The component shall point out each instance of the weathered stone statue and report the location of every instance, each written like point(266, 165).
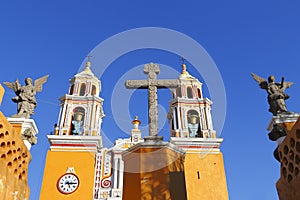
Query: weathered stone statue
point(26, 95)
point(276, 93)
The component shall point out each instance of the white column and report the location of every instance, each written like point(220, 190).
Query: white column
point(203, 118)
point(210, 119)
point(207, 118)
point(184, 119)
point(59, 117)
point(87, 119)
point(121, 172)
point(96, 118)
point(174, 120)
point(67, 118)
point(179, 121)
point(115, 168)
point(62, 117)
point(93, 113)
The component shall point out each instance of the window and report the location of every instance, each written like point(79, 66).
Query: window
point(189, 92)
point(199, 93)
point(77, 121)
point(178, 92)
point(93, 90)
point(193, 124)
point(72, 89)
point(82, 89)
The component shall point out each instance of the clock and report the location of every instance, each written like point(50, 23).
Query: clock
point(67, 183)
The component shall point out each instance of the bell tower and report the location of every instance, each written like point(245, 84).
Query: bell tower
point(192, 131)
point(190, 113)
point(81, 109)
point(70, 162)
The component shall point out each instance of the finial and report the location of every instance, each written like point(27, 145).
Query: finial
point(183, 59)
point(136, 122)
point(88, 63)
point(184, 72)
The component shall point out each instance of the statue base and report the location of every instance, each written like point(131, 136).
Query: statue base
point(26, 128)
point(285, 120)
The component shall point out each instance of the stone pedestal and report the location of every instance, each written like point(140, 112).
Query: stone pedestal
point(285, 120)
point(26, 128)
point(154, 138)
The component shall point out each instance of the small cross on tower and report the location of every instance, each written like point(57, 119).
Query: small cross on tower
point(152, 84)
point(89, 57)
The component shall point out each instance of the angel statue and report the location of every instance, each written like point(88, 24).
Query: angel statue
point(276, 93)
point(26, 95)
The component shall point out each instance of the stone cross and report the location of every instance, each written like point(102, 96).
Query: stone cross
point(152, 84)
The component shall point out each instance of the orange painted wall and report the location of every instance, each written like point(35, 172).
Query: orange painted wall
point(14, 160)
point(57, 164)
point(289, 153)
point(148, 172)
point(1, 93)
point(211, 183)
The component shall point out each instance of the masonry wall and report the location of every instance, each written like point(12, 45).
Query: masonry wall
point(14, 160)
point(205, 176)
point(289, 153)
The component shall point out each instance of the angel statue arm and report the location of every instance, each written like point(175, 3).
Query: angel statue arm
point(26, 95)
point(276, 93)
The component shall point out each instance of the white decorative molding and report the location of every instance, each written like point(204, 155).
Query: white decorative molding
point(198, 145)
point(28, 130)
point(283, 118)
point(75, 143)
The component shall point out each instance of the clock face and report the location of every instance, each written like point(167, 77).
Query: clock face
point(67, 183)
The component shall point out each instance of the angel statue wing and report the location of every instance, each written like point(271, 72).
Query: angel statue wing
point(261, 81)
point(287, 84)
point(13, 85)
point(38, 83)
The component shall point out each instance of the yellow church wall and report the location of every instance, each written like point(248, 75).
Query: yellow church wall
point(57, 164)
point(210, 184)
point(1, 93)
point(150, 174)
point(17, 128)
point(14, 160)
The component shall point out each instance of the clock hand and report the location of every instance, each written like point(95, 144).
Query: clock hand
point(70, 183)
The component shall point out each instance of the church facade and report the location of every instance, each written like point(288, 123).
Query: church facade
point(189, 166)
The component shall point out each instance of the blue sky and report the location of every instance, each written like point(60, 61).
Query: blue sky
point(53, 37)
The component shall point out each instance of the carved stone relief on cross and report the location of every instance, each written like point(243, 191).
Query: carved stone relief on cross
point(152, 84)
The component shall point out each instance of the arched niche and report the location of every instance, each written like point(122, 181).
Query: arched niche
point(77, 121)
point(193, 124)
point(189, 92)
point(94, 90)
point(82, 89)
